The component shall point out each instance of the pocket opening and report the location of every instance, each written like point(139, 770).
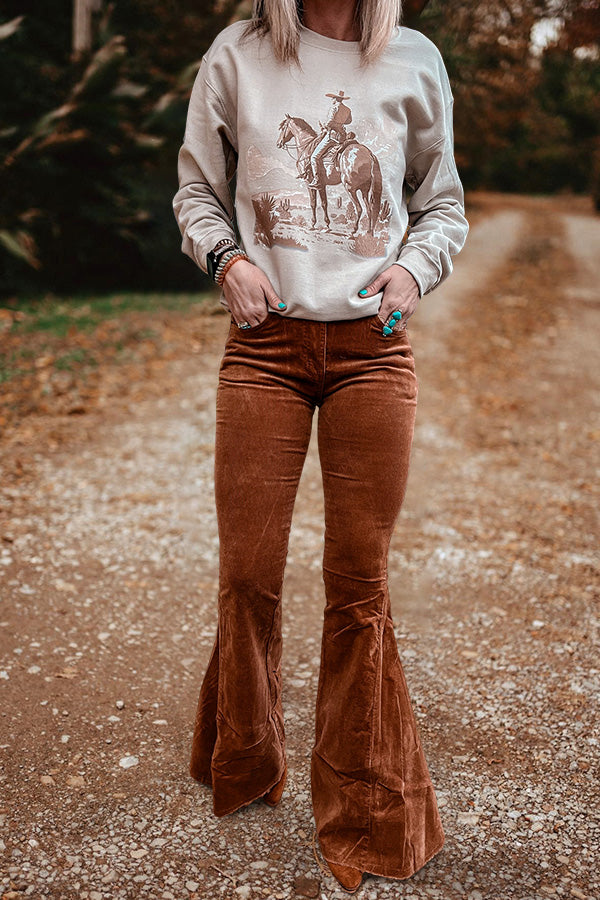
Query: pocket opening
point(253, 328)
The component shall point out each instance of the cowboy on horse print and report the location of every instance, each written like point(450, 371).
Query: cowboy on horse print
point(333, 133)
point(341, 172)
point(333, 157)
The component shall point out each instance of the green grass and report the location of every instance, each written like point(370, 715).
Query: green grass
point(8, 372)
point(56, 315)
point(74, 360)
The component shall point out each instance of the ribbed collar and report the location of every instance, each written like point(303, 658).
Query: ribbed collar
point(315, 39)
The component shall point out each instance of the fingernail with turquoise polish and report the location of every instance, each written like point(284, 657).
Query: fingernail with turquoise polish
point(281, 305)
point(363, 292)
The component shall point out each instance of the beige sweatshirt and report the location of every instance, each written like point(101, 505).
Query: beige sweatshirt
point(362, 134)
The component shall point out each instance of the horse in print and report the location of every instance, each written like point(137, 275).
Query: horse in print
point(351, 164)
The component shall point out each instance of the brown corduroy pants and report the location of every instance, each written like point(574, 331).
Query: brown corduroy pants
point(373, 800)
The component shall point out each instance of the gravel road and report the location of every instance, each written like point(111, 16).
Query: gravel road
point(108, 584)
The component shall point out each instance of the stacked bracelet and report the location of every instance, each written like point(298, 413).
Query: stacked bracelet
point(224, 244)
point(227, 261)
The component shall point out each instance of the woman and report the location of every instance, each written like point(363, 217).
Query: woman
point(325, 110)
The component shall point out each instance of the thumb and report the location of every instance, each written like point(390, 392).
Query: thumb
point(375, 286)
point(273, 300)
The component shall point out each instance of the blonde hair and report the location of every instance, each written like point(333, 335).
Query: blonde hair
point(376, 20)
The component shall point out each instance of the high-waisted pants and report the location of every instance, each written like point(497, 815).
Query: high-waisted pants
point(373, 800)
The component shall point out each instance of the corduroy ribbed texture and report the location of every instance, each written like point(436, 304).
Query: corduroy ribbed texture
point(373, 798)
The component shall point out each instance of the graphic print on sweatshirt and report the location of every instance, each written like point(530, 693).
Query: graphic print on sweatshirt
point(322, 183)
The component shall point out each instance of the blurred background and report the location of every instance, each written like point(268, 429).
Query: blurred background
point(110, 346)
point(95, 112)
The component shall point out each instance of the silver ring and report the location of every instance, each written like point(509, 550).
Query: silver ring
point(243, 324)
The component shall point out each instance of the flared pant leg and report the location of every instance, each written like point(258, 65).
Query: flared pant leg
point(262, 436)
point(373, 799)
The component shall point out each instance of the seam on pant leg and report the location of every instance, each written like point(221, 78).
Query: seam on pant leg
point(376, 693)
point(323, 366)
point(270, 680)
point(377, 698)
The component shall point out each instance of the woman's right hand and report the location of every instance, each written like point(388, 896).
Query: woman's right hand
point(249, 292)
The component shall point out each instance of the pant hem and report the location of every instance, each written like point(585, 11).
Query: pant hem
point(203, 779)
point(229, 811)
point(399, 874)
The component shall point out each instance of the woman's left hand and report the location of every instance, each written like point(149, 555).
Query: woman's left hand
point(400, 291)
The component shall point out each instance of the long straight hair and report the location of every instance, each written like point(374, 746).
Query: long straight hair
point(376, 20)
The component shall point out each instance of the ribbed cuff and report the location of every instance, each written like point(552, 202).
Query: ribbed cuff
point(203, 246)
point(419, 265)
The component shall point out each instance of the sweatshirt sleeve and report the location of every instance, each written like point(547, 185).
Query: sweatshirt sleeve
point(206, 163)
point(436, 214)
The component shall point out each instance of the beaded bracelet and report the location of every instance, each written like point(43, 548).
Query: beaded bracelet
point(222, 257)
point(235, 256)
point(225, 257)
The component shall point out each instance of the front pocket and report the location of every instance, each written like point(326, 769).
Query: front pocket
point(268, 318)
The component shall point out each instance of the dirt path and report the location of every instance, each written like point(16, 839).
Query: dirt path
point(109, 577)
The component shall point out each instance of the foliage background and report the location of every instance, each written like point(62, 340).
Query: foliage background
point(89, 146)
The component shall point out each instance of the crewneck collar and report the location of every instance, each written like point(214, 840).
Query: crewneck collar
point(316, 39)
point(327, 43)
